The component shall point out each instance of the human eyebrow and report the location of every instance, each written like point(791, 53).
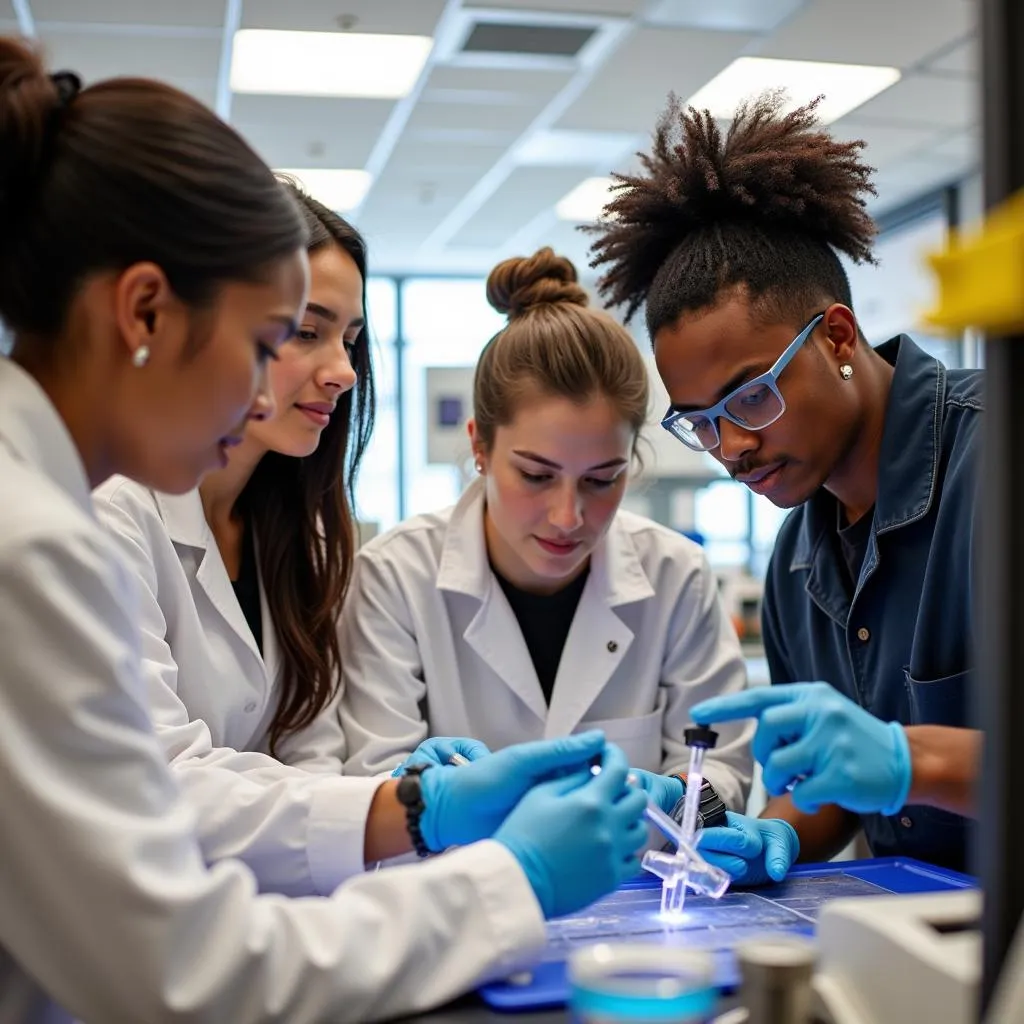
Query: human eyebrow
point(748, 373)
point(534, 457)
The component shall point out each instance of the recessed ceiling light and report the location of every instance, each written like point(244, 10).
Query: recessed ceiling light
point(327, 63)
point(586, 201)
point(844, 86)
point(339, 190)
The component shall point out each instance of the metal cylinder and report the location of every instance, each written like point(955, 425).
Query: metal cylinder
point(776, 979)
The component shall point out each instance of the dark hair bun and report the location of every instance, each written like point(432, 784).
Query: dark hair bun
point(519, 284)
point(29, 98)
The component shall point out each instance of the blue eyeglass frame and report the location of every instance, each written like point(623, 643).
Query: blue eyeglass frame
point(769, 379)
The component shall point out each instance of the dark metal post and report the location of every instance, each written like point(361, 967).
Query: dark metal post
point(400, 390)
point(999, 687)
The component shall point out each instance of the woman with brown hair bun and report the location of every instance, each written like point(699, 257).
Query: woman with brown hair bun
point(536, 607)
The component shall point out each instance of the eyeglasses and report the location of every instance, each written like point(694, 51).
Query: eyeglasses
point(753, 406)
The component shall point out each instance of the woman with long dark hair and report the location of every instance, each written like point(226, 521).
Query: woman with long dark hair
point(243, 580)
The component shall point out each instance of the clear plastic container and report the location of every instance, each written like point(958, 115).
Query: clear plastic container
point(641, 983)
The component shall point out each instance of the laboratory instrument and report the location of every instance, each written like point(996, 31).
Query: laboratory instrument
point(641, 983)
point(900, 958)
point(776, 972)
point(458, 759)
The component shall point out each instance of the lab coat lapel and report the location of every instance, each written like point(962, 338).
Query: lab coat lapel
point(187, 527)
point(493, 632)
point(598, 639)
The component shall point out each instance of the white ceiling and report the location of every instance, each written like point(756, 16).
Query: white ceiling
point(450, 193)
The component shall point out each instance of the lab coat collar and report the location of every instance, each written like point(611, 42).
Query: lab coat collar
point(32, 428)
point(186, 525)
point(184, 518)
point(617, 575)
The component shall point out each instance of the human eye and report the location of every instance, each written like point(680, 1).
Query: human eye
point(266, 352)
point(306, 334)
point(601, 485)
point(755, 395)
point(534, 478)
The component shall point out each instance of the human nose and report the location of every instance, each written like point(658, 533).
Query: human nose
point(734, 442)
point(262, 407)
point(566, 513)
point(336, 372)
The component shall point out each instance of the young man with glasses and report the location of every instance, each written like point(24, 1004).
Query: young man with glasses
point(732, 242)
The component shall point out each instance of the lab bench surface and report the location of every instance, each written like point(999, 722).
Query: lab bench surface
point(631, 915)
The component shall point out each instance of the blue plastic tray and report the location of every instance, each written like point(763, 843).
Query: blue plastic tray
point(791, 907)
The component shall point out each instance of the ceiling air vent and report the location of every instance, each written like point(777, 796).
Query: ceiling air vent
point(535, 40)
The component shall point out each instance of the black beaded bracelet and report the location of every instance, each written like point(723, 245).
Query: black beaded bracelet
point(410, 795)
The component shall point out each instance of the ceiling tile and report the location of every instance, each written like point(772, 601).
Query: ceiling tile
point(885, 144)
point(630, 92)
point(524, 193)
point(871, 31)
point(201, 13)
point(300, 131)
point(924, 100)
point(727, 15)
point(960, 60)
point(606, 8)
point(409, 17)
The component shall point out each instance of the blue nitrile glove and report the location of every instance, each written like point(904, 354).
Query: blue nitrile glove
point(577, 837)
point(755, 851)
point(469, 803)
point(438, 749)
point(830, 750)
point(665, 790)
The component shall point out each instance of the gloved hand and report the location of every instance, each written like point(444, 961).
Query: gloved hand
point(755, 851)
point(470, 802)
point(828, 749)
point(438, 749)
point(666, 791)
point(577, 837)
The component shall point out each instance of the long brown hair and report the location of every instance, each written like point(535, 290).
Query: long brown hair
point(301, 512)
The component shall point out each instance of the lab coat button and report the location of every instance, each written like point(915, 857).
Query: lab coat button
point(612, 646)
point(906, 821)
point(250, 707)
point(863, 634)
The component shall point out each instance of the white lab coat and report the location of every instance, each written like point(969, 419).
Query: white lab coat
point(431, 645)
point(212, 696)
point(107, 912)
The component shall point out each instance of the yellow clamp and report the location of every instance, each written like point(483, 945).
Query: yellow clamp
point(981, 275)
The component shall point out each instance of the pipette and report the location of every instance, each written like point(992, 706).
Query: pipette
point(699, 739)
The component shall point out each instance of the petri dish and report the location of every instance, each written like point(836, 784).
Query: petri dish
point(641, 983)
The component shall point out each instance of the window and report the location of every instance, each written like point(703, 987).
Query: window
point(446, 322)
point(377, 486)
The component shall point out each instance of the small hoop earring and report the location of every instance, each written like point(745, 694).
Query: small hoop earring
point(846, 371)
point(140, 357)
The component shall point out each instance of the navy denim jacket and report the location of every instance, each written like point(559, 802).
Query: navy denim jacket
point(901, 647)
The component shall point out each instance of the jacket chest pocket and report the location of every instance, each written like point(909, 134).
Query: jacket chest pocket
point(938, 701)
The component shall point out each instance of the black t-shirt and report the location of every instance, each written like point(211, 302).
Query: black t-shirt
point(853, 544)
point(545, 620)
point(247, 587)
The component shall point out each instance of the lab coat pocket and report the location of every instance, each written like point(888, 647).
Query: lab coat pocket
point(938, 701)
point(639, 737)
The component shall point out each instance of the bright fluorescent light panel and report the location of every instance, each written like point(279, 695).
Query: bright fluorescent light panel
point(338, 190)
point(844, 86)
point(327, 63)
point(586, 201)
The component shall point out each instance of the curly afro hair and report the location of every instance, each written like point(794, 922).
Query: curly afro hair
point(766, 205)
